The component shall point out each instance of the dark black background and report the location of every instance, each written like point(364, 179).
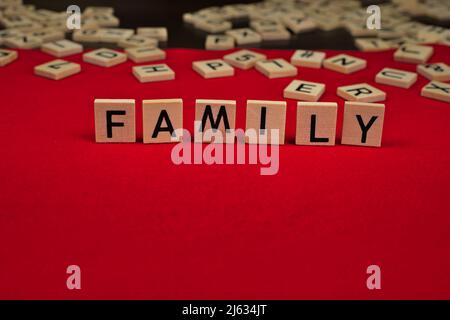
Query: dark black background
point(168, 13)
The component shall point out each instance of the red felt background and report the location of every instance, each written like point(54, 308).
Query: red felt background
point(141, 227)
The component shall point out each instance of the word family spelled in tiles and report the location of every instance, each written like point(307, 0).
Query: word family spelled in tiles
point(219, 42)
point(158, 33)
point(153, 73)
point(344, 63)
point(437, 90)
point(161, 120)
point(435, 71)
point(265, 121)
point(316, 123)
point(137, 41)
point(57, 69)
point(244, 59)
point(276, 68)
point(215, 114)
point(363, 124)
point(361, 92)
point(304, 90)
point(62, 48)
point(411, 53)
point(115, 120)
point(213, 68)
point(7, 56)
point(244, 36)
point(396, 77)
point(306, 58)
point(105, 57)
point(145, 54)
point(263, 117)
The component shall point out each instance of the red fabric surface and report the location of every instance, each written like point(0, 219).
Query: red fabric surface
point(141, 227)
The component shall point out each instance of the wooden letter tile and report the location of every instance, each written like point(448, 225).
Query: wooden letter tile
point(262, 116)
point(437, 90)
point(85, 35)
point(113, 35)
point(7, 33)
point(89, 11)
point(328, 23)
point(102, 20)
point(245, 36)
point(435, 71)
point(213, 68)
point(7, 56)
point(23, 42)
point(411, 53)
point(307, 58)
point(445, 39)
point(215, 114)
point(316, 123)
point(115, 120)
point(212, 25)
point(145, 54)
point(396, 77)
point(360, 30)
point(361, 92)
point(135, 41)
point(304, 90)
point(244, 59)
point(363, 124)
point(219, 42)
point(372, 45)
point(263, 25)
point(344, 63)
point(276, 68)
point(57, 69)
point(276, 33)
point(105, 57)
point(153, 73)
point(47, 35)
point(160, 120)
point(158, 33)
point(62, 48)
point(299, 24)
